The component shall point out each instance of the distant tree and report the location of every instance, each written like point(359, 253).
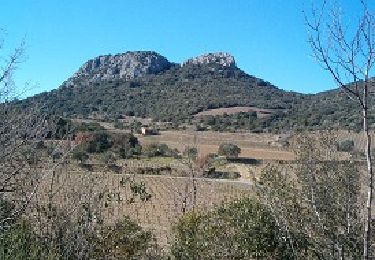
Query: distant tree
point(89, 127)
point(80, 155)
point(107, 157)
point(127, 146)
point(155, 149)
point(229, 150)
point(345, 146)
point(191, 152)
point(101, 143)
point(348, 54)
point(62, 127)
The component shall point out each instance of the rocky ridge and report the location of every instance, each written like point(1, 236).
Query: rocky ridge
point(222, 58)
point(133, 64)
point(126, 65)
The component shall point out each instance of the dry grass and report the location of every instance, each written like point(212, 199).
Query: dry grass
point(111, 195)
point(257, 146)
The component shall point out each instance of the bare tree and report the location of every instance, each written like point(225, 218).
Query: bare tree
point(325, 195)
point(8, 64)
point(23, 128)
point(348, 55)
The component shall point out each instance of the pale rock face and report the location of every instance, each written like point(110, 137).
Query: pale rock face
point(222, 58)
point(127, 65)
point(133, 64)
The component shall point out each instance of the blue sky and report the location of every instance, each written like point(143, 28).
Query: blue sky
point(266, 37)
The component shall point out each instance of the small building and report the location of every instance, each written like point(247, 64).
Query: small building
point(148, 131)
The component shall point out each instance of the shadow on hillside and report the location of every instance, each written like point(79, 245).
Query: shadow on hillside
point(244, 160)
point(222, 175)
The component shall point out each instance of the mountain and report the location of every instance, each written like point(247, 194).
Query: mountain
point(145, 84)
point(127, 65)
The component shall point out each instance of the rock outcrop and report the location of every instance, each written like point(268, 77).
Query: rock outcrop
point(128, 65)
point(222, 58)
point(133, 64)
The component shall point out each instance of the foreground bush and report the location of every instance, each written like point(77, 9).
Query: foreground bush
point(19, 242)
point(125, 240)
point(242, 230)
point(80, 239)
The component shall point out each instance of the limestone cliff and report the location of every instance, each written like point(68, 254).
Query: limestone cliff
point(222, 58)
point(126, 65)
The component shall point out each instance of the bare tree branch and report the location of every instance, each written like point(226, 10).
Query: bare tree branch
point(353, 56)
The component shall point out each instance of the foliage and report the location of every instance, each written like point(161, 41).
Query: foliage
point(229, 150)
point(155, 149)
point(80, 154)
point(88, 127)
point(82, 239)
point(240, 230)
point(107, 157)
point(191, 152)
point(124, 240)
point(126, 145)
point(325, 195)
point(345, 146)
point(100, 143)
point(19, 242)
point(60, 128)
point(109, 146)
point(139, 190)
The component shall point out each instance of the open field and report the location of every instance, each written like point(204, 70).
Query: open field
point(234, 110)
point(110, 197)
point(257, 146)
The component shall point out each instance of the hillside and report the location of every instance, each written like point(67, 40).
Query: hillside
point(146, 85)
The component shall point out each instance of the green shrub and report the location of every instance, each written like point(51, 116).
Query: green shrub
point(119, 125)
point(229, 150)
point(19, 242)
point(154, 150)
point(60, 128)
point(241, 230)
point(125, 240)
point(126, 146)
point(80, 154)
point(89, 127)
point(100, 143)
point(345, 146)
point(107, 157)
point(191, 152)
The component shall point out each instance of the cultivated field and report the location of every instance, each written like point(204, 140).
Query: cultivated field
point(109, 196)
point(111, 199)
point(256, 146)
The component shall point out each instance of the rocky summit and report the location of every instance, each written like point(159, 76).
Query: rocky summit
point(126, 65)
point(222, 58)
point(135, 64)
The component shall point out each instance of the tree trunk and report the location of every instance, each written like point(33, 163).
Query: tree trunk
point(367, 235)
